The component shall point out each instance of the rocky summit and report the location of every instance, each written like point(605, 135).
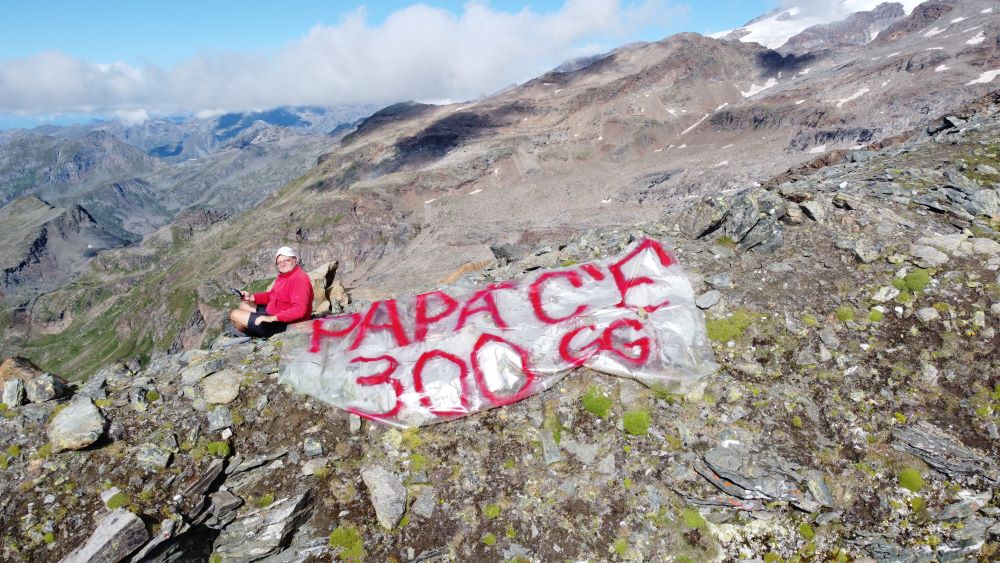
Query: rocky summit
point(848, 272)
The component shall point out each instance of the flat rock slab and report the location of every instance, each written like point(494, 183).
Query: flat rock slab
point(264, 531)
point(77, 426)
point(118, 535)
point(387, 493)
point(13, 393)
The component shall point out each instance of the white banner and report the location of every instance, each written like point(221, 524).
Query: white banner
point(439, 356)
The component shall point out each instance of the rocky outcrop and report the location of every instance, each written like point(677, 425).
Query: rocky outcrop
point(857, 29)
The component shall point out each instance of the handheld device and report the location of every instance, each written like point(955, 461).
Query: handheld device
point(236, 292)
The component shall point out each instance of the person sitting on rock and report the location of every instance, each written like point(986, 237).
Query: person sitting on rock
point(288, 301)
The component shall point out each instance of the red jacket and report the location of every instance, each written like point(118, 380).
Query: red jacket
point(291, 298)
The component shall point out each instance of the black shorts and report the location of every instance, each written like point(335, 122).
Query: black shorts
point(265, 329)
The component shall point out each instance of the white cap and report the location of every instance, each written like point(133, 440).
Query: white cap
point(285, 251)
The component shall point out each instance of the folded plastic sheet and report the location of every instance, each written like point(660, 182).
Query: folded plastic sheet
point(439, 356)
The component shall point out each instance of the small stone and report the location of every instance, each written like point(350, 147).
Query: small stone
point(550, 449)
point(76, 426)
point(866, 251)
point(108, 494)
point(116, 537)
point(219, 418)
point(151, 456)
point(885, 294)
point(387, 495)
point(979, 319)
point(354, 423)
point(806, 357)
point(928, 314)
point(312, 447)
point(45, 387)
point(708, 299)
point(227, 433)
point(995, 309)
point(928, 373)
point(814, 210)
point(261, 403)
point(425, 503)
point(986, 169)
point(928, 256)
point(720, 281)
point(13, 393)
point(829, 337)
point(607, 465)
point(586, 453)
point(311, 466)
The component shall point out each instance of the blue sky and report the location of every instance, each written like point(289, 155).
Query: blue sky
point(134, 59)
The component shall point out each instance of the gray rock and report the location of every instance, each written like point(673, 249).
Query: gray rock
point(970, 502)
point(927, 256)
point(221, 510)
point(219, 418)
point(152, 457)
point(986, 169)
point(928, 314)
point(995, 309)
point(751, 208)
point(311, 466)
point(94, 387)
point(943, 451)
point(425, 503)
point(195, 373)
point(264, 531)
point(806, 357)
point(387, 495)
point(550, 449)
point(985, 246)
point(117, 535)
point(13, 393)
point(944, 243)
point(77, 426)
point(814, 210)
point(221, 387)
point(766, 236)
point(720, 281)
point(829, 337)
point(885, 294)
point(45, 387)
point(865, 250)
point(608, 465)
point(312, 447)
point(168, 528)
point(586, 453)
point(708, 299)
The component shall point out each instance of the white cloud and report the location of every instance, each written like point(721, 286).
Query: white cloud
point(418, 52)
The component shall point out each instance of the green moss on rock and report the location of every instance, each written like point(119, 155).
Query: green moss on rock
point(636, 423)
point(596, 402)
point(911, 479)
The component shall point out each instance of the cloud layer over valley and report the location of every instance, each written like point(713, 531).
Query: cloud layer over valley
point(419, 52)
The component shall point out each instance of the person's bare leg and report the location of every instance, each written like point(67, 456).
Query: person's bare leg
point(240, 318)
point(247, 306)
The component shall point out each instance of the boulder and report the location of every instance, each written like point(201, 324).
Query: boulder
point(76, 426)
point(18, 368)
point(221, 387)
point(322, 279)
point(119, 534)
point(45, 387)
point(13, 393)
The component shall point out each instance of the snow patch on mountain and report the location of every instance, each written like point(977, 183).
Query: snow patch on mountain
point(781, 25)
point(853, 96)
point(985, 78)
point(754, 89)
point(935, 31)
point(979, 38)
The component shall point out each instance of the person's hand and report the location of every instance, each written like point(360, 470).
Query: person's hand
point(246, 296)
point(267, 319)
